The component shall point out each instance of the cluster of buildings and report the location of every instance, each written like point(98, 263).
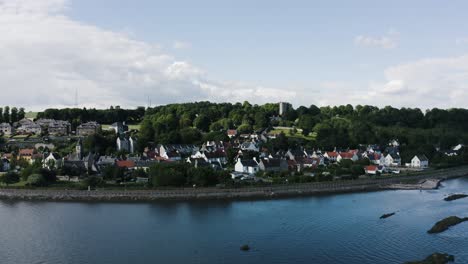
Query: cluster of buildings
point(51, 126)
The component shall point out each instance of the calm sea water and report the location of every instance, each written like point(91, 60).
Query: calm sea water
point(329, 229)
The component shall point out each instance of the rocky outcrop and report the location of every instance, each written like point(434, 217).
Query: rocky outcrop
point(444, 224)
point(436, 258)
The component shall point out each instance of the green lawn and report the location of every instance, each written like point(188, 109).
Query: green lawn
point(130, 127)
point(31, 115)
point(298, 134)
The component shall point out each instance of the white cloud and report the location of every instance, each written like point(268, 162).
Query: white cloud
point(426, 83)
point(388, 41)
point(181, 45)
point(46, 55)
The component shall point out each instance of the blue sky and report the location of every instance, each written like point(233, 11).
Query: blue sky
point(404, 53)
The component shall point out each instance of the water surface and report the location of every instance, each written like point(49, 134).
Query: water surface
point(328, 229)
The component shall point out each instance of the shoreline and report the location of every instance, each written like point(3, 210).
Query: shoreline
point(425, 182)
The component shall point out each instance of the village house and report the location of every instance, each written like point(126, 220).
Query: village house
point(29, 128)
point(347, 156)
point(52, 161)
point(375, 158)
point(332, 156)
point(373, 169)
point(420, 161)
point(59, 128)
point(273, 165)
point(232, 133)
point(312, 163)
point(26, 154)
point(198, 162)
point(4, 164)
point(182, 149)
point(87, 129)
point(249, 146)
point(118, 127)
point(392, 159)
point(126, 144)
point(246, 166)
point(6, 129)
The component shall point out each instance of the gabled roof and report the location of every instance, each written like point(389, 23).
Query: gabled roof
point(232, 132)
point(346, 155)
point(26, 152)
point(249, 163)
point(422, 157)
point(271, 163)
point(371, 168)
point(55, 155)
point(125, 164)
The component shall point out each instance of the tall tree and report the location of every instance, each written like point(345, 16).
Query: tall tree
point(1, 115)
point(14, 114)
point(21, 113)
point(6, 114)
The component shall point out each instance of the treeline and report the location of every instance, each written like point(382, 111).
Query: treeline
point(339, 126)
point(11, 115)
point(77, 116)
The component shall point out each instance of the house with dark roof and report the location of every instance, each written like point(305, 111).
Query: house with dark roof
point(89, 128)
point(126, 143)
point(6, 129)
point(273, 165)
point(420, 161)
point(393, 159)
point(4, 164)
point(198, 162)
point(246, 166)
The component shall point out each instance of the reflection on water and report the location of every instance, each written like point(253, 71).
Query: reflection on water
point(327, 229)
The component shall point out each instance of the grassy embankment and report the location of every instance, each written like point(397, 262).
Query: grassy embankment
point(288, 132)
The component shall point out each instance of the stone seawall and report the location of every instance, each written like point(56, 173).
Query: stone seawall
point(430, 181)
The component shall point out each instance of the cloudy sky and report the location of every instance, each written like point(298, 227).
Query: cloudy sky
point(122, 52)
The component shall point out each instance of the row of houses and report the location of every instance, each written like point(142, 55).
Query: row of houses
point(53, 127)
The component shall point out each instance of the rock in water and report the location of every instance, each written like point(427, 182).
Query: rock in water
point(455, 197)
point(444, 224)
point(387, 215)
point(245, 248)
point(436, 258)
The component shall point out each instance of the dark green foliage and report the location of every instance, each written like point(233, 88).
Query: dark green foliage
point(10, 178)
point(357, 170)
point(178, 175)
point(102, 143)
point(112, 173)
point(107, 116)
point(36, 180)
point(93, 182)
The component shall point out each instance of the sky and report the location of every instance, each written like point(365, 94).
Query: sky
point(98, 53)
